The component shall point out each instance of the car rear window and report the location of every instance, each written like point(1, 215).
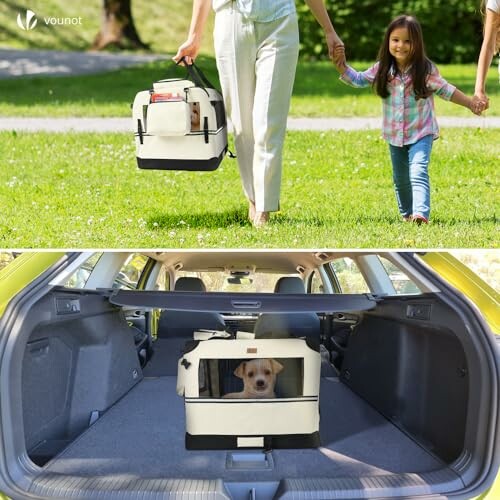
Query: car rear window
point(238, 282)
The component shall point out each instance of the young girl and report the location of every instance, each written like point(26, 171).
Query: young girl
point(406, 80)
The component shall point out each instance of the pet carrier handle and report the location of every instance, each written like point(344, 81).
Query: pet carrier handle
point(196, 75)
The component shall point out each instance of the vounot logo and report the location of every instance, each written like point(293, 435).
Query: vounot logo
point(30, 20)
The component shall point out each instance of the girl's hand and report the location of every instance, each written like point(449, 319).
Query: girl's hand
point(339, 58)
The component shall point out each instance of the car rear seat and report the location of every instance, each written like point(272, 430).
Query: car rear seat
point(175, 328)
point(283, 325)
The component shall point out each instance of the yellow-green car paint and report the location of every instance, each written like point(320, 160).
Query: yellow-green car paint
point(22, 271)
point(463, 279)
point(493, 493)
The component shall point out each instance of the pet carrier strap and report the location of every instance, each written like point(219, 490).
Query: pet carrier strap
point(197, 76)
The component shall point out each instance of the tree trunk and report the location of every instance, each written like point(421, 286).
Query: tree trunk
point(117, 27)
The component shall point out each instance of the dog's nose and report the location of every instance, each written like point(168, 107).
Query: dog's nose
point(260, 383)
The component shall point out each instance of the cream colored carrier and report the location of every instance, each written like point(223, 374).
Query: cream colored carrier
point(180, 124)
point(215, 421)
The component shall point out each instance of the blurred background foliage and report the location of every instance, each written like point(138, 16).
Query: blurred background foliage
point(452, 29)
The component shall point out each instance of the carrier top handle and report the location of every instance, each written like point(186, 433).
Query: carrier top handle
point(196, 75)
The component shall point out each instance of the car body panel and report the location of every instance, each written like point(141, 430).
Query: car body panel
point(466, 281)
point(22, 271)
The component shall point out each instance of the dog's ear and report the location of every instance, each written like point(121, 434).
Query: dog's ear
point(277, 367)
point(240, 370)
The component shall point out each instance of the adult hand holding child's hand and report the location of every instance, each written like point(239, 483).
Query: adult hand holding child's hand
point(479, 104)
point(339, 58)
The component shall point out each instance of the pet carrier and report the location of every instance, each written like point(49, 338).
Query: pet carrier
point(180, 124)
point(276, 404)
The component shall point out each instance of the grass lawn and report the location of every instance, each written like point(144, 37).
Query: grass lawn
point(317, 92)
point(84, 190)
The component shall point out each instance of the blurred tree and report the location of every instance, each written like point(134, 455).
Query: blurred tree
point(117, 27)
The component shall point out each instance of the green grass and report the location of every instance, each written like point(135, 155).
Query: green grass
point(317, 92)
point(84, 190)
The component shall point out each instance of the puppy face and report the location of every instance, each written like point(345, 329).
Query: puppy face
point(195, 115)
point(259, 377)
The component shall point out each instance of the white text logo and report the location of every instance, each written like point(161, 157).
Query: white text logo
point(31, 21)
point(63, 20)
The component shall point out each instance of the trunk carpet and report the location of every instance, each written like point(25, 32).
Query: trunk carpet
point(143, 435)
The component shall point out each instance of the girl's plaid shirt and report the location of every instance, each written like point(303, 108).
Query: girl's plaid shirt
point(405, 119)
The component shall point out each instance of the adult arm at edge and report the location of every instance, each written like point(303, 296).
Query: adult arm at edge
point(321, 15)
point(190, 48)
point(491, 27)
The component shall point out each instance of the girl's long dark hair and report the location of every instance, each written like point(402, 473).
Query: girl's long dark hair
point(421, 66)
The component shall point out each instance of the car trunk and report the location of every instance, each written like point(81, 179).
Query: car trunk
point(399, 417)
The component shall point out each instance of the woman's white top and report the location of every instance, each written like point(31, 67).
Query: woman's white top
point(258, 10)
point(493, 5)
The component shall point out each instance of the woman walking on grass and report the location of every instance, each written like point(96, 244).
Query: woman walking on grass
point(490, 46)
point(406, 80)
point(256, 47)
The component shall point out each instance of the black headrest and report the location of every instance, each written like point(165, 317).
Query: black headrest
point(289, 284)
point(189, 284)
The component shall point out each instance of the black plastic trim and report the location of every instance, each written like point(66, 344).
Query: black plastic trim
point(313, 343)
point(191, 345)
point(286, 441)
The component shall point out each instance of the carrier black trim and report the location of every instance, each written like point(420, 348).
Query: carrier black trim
point(204, 400)
point(208, 164)
point(286, 441)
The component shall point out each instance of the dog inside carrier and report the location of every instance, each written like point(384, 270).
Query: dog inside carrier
point(180, 124)
point(251, 393)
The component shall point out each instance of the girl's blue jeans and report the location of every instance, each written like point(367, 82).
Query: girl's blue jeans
point(410, 170)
